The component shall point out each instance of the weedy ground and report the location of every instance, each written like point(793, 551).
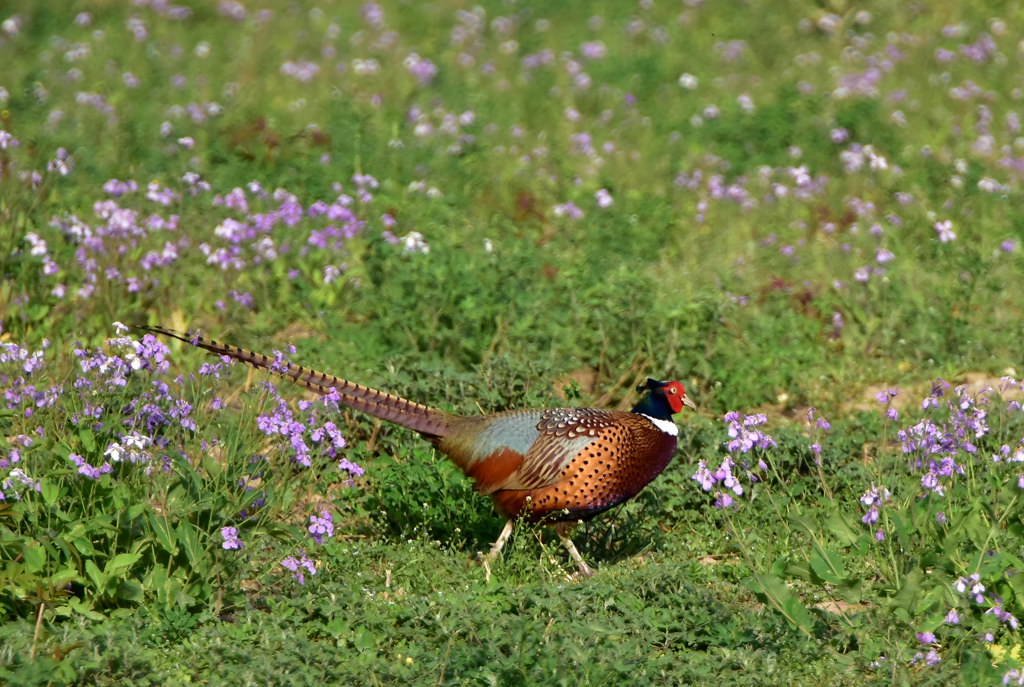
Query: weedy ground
point(810, 217)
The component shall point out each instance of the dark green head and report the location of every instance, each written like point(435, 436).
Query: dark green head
point(663, 399)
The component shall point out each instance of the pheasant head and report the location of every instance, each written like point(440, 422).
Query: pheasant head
point(663, 399)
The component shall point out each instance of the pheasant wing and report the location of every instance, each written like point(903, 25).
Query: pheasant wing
point(563, 433)
point(524, 449)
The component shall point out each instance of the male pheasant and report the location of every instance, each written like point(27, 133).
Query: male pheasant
point(559, 466)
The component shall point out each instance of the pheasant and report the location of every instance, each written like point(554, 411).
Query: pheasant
point(557, 466)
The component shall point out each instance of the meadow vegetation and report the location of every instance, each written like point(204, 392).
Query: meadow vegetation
point(809, 216)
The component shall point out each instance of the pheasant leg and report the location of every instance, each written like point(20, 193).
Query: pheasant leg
point(563, 529)
point(496, 549)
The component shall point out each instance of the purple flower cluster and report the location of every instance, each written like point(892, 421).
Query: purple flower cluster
point(129, 244)
point(297, 564)
point(972, 587)
point(818, 427)
point(874, 498)
point(19, 368)
point(744, 434)
point(102, 376)
point(744, 438)
point(978, 596)
point(301, 432)
point(231, 539)
point(931, 658)
point(886, 397)
point(88, 470)
point(938, 446)
point(15, 483)
point(321, 526)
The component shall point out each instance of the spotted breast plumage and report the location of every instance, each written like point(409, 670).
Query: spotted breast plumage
point(558, 465)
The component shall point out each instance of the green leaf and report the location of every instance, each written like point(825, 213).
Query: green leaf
point(62, 578)
point(50, 491)
point(805, 524)
point(364, 640)
point(84, 608)
point(851, 590)
point(87, 438)
point(777, 594)
point(120, 564)
point(1016, 583)
point(212, 465)
point(977, 527)
point(99, 580)
point(83, 546)
point(827, 565)
point(908, 595)
point(798, 569)
point(840, 524)
point(34, 556)
point(188, 537)
point(130, 590)
point(163, 533)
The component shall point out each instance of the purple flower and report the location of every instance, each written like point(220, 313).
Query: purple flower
point(350, 467)
point(422, 69)
point(297, 565)
point(570, 210)
point(971, 586)
point(931, 658)
point(704, 476)
point(744, 434)
point(593, 50)
point(321, 526)
point(231, 538)
point(926, 637)
point(7, 140)
point(945, 231)
point(873, 498)
point(302, 71)
point(952, 618)
point(1014, 677)
point(1003, 615)
point(722, 500)
point(87, 470)
point(886, 395)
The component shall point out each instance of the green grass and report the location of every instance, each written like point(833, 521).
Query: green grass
point(745, 253)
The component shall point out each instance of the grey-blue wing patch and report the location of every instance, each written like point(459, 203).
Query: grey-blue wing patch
point(563, 434)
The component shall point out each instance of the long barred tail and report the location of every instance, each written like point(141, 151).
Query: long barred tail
point(416, 416)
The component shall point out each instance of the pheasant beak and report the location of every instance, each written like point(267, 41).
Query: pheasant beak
point(688, 402)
